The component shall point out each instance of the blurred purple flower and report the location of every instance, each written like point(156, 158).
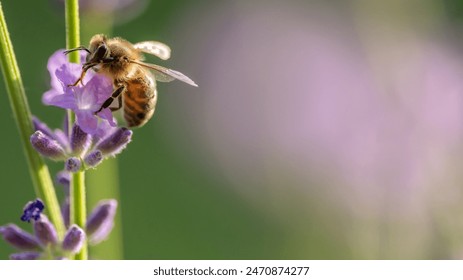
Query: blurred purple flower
point(121, 10)
point(101, 221)
point(85, 99)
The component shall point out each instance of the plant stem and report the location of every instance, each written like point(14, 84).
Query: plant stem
point(78, 208)
point(78, 198)
point(40, 175)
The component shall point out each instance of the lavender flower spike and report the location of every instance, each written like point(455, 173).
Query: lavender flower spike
point(74, 239)
point(101, 221)
point(25, 256)
point(32, 210)
point(47, 146)
point(116, 142)
point(18, 237)
point(45, 231)
point(80, 140)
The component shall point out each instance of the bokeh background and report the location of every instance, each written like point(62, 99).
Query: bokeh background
point(320, 129)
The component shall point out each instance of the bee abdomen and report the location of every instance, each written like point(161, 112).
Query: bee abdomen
point(138, 109)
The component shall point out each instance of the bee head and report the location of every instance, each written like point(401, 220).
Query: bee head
point(99, 50)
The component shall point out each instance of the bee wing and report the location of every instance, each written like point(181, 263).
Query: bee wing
point(155, 48)
point(163, 74)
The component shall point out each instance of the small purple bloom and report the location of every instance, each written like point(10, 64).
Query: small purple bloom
point(74, 239)
point(18, 238)
point(32, 210)
point(85, 99)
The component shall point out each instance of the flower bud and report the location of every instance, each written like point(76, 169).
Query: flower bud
point(74, 239)
point(18, 237)
point(116, 142)
point(101, 221)
point(45, 231)
point(47, 146)
point(93, 158)
point(72, 164)
point(80, 140)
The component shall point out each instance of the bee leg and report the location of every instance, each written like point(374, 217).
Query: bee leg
point(82, 75)
point(119, 105)
point(116, 94)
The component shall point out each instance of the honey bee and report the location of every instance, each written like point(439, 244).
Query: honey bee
point(134, 81)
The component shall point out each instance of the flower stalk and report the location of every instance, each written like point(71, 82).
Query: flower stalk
point(40, 175)
point(78, 202)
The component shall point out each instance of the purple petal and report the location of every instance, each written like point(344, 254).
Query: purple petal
point(104, 129)
point(107, 115)
point(69, 73)
point(101, 87)
point(87, 121)
point(56, 60)
point(65, 101)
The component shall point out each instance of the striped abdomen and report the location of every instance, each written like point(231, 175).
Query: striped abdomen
point(139, 98)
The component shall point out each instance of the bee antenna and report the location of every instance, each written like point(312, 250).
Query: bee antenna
point(81, 48)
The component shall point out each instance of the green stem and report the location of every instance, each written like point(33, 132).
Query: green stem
point(72, 29)
point(78, 199)
point(40, 175)
point(78, 208)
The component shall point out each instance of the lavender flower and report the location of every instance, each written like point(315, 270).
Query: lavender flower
point(80, 150)
point(83, 100)
point(45, 243)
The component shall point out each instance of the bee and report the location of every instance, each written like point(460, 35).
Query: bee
point(134, 81)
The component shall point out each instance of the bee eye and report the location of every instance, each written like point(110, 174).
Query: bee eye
point(101, 52)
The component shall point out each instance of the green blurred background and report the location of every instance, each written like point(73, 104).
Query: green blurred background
point(320, 129)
